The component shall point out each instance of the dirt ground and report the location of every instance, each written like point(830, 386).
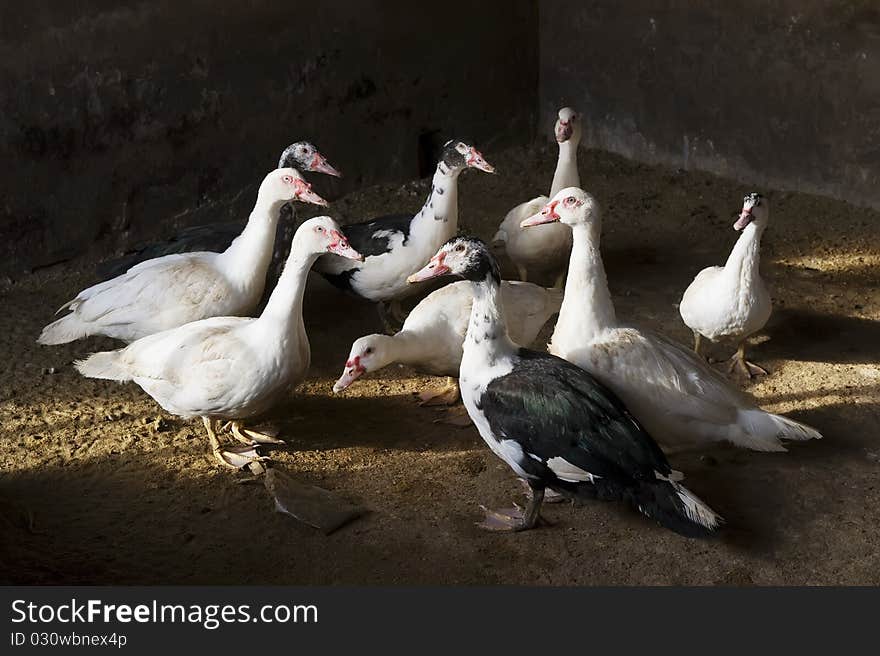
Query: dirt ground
point(98, 485)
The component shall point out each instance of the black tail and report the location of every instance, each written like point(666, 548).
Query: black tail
point(676, 508)
point(672, 505)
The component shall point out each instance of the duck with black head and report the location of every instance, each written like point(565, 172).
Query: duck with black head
point(397, 245)
point(554, 424)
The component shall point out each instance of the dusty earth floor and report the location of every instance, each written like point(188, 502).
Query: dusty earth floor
point(98, 485)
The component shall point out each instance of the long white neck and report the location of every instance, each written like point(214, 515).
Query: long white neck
point(405, 347)
point(487, 340)
point(283, 312)
point(743, 264)
point(438, 218)
point(247, 259)
point(566, 174)
point(587, 309)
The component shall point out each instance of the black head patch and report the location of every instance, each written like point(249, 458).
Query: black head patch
point(452, 155)
point(478, 262)
point(754, 197)
point(297, 156)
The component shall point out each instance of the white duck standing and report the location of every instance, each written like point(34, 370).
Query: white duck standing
point(230, 368)
point(732, 302)
point(545, 248)
point(674, 393)
point(396, 245)
point(432, 335)
point(173, 290)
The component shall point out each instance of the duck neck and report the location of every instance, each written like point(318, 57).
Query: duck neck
point(283, 311)
point(248, 256)
point(404, 347)
point(439, 215)
point(743, 264)
point(566, 174)
point(487, 340)
point(587, 308)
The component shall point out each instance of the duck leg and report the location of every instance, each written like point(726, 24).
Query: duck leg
point(446, 395)
point(560, 280)
point(232, 458)
point(550, 496)
point(523, 274)
point(698, 342)
point(738, 361)
point(252, 437)
point(515, 519)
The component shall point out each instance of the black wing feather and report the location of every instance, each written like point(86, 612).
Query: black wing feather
point(362, 236)
point(554, 408)
point(213, 237)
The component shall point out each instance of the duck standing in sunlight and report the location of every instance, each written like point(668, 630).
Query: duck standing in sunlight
point(230, 368)
point(432, 335)
point(732, 302)
point(674, 393)
point(554, 424)
point(545, 248)
point(303, 156)
point(174, 290)
point(396, 245)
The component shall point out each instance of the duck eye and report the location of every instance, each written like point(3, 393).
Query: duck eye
point(288, 179)
point(320, 228)
point(368, 350)
point(570, 200)
point(460, 248)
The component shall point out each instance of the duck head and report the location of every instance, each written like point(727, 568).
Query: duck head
point(304, 155)
point(755, 210)
point(283, 185)
point(571, 206)
point(323, 235)
point(459, 155)
point(465, 257)
point(568, 126)
point(368, 353)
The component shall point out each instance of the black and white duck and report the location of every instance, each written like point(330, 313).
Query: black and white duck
point(395, 246)
point(554, 424)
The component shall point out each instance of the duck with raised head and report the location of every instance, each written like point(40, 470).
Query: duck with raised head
point(432, 335)
point(545, 249)
point(230, 368)
point(555, 425)
point(395, 246)
point(676, 395)
point(731, 301)
point(303, 156)
point(177, 289)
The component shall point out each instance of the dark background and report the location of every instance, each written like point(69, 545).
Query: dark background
point(118, 116)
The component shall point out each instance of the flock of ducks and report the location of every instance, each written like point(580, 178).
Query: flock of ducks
point(585, 420)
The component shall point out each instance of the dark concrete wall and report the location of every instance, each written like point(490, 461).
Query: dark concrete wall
point(782, 93)
point(117, 115)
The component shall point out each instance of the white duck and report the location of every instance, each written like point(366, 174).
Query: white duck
point(432, 335)
point(674, 393)
point(173, 290)
point(397, 245)
point(545, 248)
point(732, 301)
point(230, 368)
